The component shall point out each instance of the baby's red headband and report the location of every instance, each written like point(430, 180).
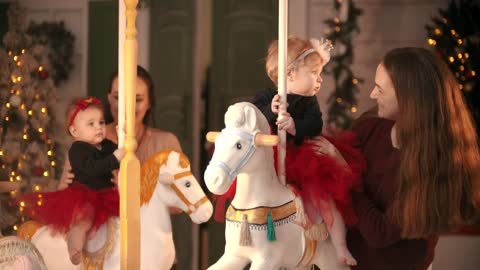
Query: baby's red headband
point(81, 105)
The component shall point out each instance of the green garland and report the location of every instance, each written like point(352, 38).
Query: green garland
point(455, 36)
point(342, 102)
point(55, 36)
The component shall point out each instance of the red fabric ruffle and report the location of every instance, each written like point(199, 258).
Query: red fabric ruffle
point(60, 209)
point(321, 179)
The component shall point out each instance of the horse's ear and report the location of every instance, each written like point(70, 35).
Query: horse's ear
point(250, 118)
point(166, 178)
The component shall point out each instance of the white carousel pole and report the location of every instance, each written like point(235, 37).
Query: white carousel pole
point(282, 81)
point(121, 73)
point(130, 165)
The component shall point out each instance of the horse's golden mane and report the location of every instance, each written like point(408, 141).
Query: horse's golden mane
point(149, 173)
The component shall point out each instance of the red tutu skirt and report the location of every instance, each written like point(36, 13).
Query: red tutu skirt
point(60, 209)
point(318, 178)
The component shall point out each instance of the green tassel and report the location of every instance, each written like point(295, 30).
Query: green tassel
point(270, 228)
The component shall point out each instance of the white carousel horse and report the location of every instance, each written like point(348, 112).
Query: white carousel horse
point(261, 222)
point(166, 181)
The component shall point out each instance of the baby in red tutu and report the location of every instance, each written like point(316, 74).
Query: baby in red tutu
point(322, 181)
point(92, 198)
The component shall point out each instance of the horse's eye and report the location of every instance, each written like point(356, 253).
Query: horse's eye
point(188, 184)
point(239, 146)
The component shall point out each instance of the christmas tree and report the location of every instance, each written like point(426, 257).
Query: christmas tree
point(27, 101)
point(455, 36)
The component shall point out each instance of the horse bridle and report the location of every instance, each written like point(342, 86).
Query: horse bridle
point(232, 172)
point(191, 207)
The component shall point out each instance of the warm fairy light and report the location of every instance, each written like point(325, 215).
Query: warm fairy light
point(22, 204)
point(15, 58)
point(40, 196)
point(355, 81)
point(18, 178)
point(473, 73)
point(451, 59)
point(339, 100)
point(8, 105)
point(437, 32)
point(460, 86)
point(15, 227)
point(50, 152)
point(39, 203)
point(11, 179)
point(467, 55)
point(19, 63)
point(336, 20)
point(18, 92)
point(462, 68)
point(25, 136)
point(453, 32)
point(52, 163)
point(44, 110)
point(30, 112)
point(1, 153)
point(37, 187)
point(460, 56)
point(19, 78)
point(14, 80)
point(432, 42)
point(444, 20)
point(12, 91)
point(459, 41)
point(37, 96)
point(23, 51)
point(40, 68)
point(7, 118)
point(40, 130)
point(354, 109)
point(22, 106)
point(49, 141)
point(9, 53)
point(45, 173)
point(337, 28)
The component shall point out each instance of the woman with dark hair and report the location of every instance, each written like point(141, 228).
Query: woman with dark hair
point(149, 140)
point(423, 163)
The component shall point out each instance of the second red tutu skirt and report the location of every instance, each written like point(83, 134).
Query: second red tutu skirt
point(61, 209)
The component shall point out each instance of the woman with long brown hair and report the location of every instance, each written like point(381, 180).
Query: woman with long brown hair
point(423, 163)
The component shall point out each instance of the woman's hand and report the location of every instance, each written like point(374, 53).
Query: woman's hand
point(115, 177)
point(325, 147)
point(67, 176)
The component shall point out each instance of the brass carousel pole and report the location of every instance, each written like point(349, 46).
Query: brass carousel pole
point(130, 166)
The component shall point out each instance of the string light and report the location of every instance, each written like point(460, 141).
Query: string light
point(45, 173)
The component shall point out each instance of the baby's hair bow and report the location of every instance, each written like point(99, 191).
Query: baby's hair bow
point(82, 104)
